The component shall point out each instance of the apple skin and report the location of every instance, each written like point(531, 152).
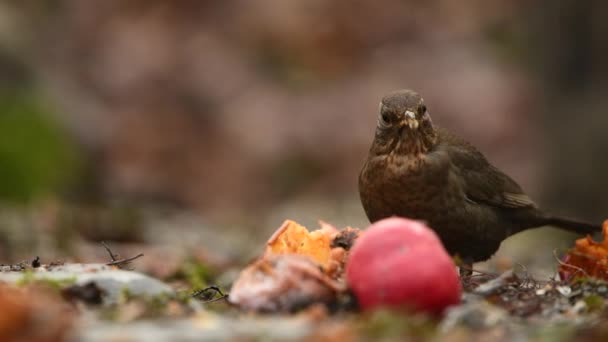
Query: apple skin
point(401, 263)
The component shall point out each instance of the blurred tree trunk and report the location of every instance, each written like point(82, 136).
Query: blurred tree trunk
point(569, 49)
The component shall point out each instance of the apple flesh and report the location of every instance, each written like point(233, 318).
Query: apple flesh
point(401, 263)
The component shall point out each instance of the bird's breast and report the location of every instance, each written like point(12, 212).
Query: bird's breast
point(415, 187)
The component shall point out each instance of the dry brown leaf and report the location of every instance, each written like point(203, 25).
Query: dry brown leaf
point(33, 313)
point(587, 258)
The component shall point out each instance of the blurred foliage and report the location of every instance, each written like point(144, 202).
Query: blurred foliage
point(110, 222)
point(293, 174)
point(36, 157)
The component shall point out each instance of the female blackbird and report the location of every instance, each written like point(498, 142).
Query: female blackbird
point(417, 170)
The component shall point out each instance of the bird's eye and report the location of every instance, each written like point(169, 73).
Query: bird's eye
point(421, 110)
point(385, 117)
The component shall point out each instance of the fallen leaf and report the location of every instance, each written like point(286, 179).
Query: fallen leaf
point(33, 313)
point(587, 258)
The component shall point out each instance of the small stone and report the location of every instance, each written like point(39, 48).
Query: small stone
point(579, 307)
point(565, 291)
point(495, 284)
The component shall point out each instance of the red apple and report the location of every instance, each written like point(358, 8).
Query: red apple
point(398, 262)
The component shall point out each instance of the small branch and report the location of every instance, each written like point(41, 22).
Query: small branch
point(223, 297)
point(209, 298)
point(118, 262)
point(112, 255)
point(122, 262)
point(578, 269)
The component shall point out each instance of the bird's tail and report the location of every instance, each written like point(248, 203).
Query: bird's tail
point(572, 225)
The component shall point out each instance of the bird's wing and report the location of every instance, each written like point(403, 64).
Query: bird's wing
point(482, 182)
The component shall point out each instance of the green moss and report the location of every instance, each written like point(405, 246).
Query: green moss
point(386, 325)
point(125, 295)
point(27, 278)
point(553, 333)
point(594, 303)
point(58, 284)
point(159, 300)
point(183, 296)
point(196, 274)
point(152, 306)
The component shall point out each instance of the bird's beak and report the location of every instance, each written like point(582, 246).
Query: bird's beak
point(409, 119)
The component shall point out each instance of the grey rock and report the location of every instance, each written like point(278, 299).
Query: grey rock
point(111, 280)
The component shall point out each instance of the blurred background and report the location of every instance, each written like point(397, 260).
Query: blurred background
point(194, 128)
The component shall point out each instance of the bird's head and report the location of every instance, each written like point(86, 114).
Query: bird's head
point(403, 110)
point(404, 124)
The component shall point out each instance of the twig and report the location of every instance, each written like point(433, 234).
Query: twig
point(112, 255)
point(527, 281)
point(207, 298)
point(207, 289)
point(223, 297)
point(578, 269)
point(118, 262)
point(122, 262)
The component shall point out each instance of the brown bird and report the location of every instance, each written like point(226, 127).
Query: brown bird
point(417, 170)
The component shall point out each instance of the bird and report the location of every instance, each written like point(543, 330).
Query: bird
point(417, 170)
